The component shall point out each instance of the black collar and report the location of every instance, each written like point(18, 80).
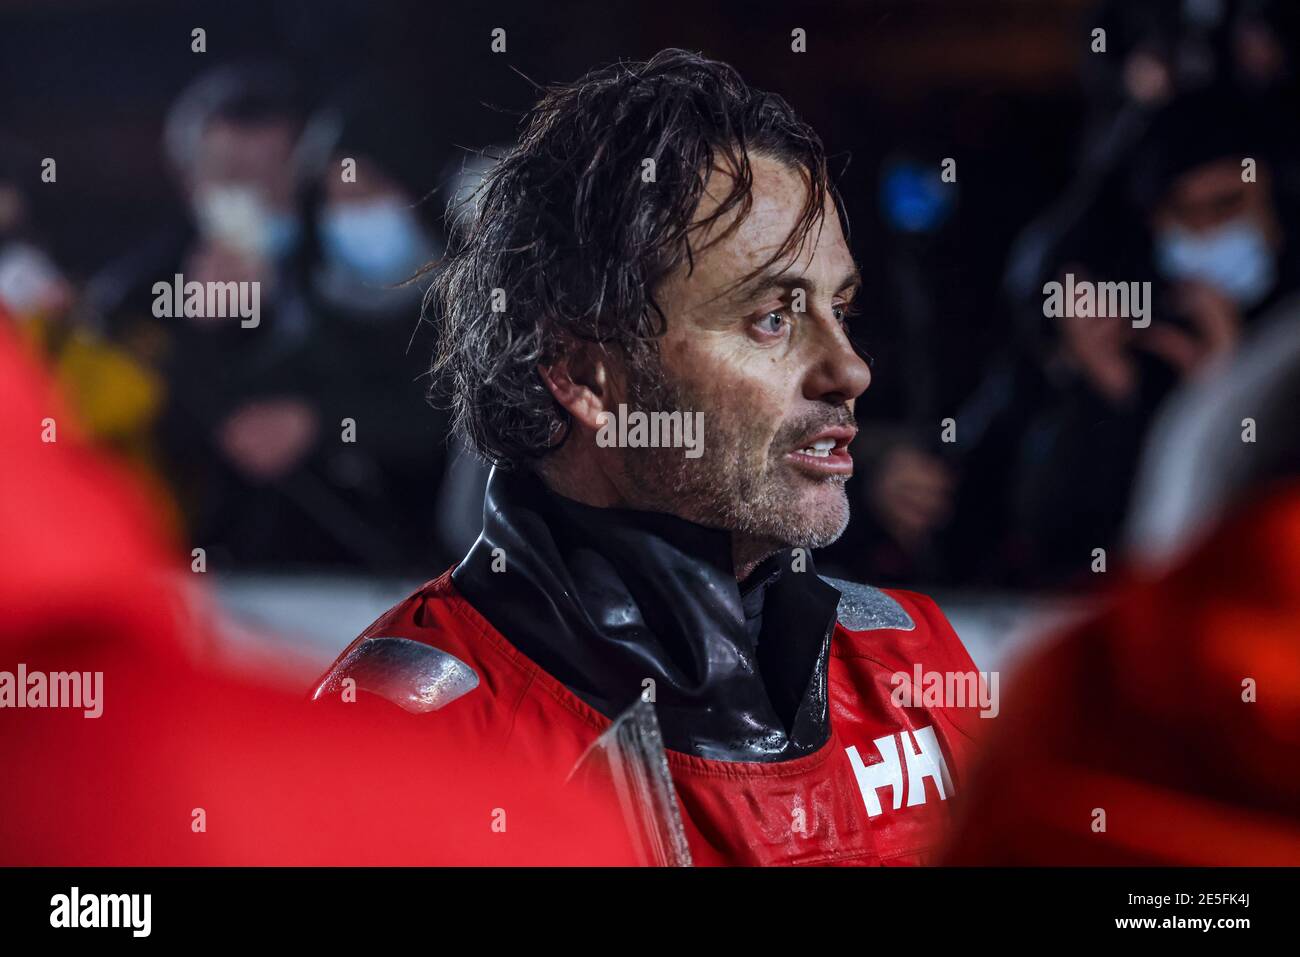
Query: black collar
point(609, 600)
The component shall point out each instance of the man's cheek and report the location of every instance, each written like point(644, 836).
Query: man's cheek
point(751, 416)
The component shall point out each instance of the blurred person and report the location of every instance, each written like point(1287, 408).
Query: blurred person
point(240, 416)
point(1045, 445)
point(612, 570)
point(1215, 440)
point(1069, 409)
point(117, 397)
point(1158, 50)
point(252, 426)
point(234, 417)
point(1196, 655)
point(375, 178)
point(36, 293)
point(1220, 259)
point(1053, 436)
point(232, 138)
point(373, 219)
point(1205, 177)
point(1160, 53)
point(32, 286)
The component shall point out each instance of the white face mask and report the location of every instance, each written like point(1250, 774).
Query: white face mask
point(1235, 258)
point(30, 283)
point(238, 217)
point(378, 241)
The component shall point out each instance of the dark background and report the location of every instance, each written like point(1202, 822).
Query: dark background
point(1009, 88)
point(992, 83)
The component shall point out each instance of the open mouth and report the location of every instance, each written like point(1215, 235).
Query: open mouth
point(825, 453)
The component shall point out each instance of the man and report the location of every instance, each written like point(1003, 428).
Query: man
point(663, 247)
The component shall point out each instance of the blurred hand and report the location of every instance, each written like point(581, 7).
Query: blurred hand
point(1147, 78)
point(1216, 329)
point(266, 440)
point(1099, 348)
point(911, 494)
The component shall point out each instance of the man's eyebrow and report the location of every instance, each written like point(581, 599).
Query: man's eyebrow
point(782, 279)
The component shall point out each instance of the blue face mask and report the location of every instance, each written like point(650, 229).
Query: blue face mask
point(281, 234)
point(1235, 258)
point(379, 241)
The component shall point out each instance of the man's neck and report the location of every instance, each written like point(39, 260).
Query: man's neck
point(746, 551)
point(588, 485)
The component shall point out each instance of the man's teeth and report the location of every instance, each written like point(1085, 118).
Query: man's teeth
point(819, 449)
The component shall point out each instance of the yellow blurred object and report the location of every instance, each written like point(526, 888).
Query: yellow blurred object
point(116, 398)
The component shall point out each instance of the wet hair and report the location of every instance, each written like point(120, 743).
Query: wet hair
point(572, 230)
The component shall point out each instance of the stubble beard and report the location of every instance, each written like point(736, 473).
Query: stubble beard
point(740, 483)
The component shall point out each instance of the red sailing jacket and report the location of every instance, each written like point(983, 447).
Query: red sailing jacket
point(880, 791)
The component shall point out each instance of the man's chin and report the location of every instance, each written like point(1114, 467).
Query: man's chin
point(785, 507)
point(829, 525)
point(820, 515)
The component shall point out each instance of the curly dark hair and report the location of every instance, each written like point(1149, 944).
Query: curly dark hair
point(568, 229)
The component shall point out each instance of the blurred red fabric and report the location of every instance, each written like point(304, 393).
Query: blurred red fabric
point(1140, 714)
point(86, 585)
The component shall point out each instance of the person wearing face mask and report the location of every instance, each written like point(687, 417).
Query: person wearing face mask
point(1206, 176)
point(370, 171)
point(372, 241)
point(1054, 432)
point(1205, 180)
point(371, 209)
point(230, 141)
point(243, 426)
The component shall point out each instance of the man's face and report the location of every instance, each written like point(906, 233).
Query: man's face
point(776, 384)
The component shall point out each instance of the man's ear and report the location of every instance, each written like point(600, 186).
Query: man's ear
point(581, 381)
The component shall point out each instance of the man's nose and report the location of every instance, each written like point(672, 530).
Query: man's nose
point(838, 373)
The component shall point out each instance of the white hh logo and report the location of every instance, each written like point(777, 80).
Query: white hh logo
point(923, 757)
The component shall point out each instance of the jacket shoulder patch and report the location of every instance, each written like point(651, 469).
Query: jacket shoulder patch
point(416, 677)
point(863, 608)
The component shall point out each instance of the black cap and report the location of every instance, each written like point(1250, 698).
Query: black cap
point(1194, 130)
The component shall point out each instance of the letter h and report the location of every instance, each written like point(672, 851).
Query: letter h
point(885, 773)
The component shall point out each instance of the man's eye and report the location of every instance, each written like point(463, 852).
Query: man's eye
point(843, 313)
point(771, 322)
